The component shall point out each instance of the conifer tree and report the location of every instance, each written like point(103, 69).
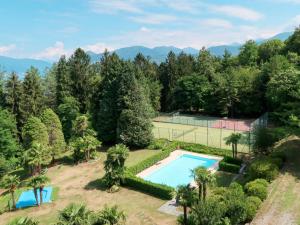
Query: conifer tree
point(63, 80)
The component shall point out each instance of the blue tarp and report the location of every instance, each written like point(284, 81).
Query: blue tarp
point(27, 198)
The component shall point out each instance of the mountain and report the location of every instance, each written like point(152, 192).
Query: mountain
point(20, 66)
point(157, 54)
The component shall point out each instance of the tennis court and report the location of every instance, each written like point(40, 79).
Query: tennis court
point(205, 130)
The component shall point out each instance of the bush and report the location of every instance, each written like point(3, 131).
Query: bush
point(227, 167)
point(252, 205)
point(232, 160)
point(257, 188)
point(198, 148)
point(157, 190)
point(264, 168)
point(277, 161)
point(279, 154)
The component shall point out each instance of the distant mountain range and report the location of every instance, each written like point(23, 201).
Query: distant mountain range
point(157, 54)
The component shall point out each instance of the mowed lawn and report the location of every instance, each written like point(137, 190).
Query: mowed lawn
point(78, 183)
point(282, 206)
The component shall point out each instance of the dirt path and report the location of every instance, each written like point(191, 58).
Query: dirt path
point(283, 204)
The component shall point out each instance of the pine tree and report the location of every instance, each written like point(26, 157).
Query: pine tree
point(32, 97)
point(13, 97)
point(81, 81)
point(55, 134)
point(63, 80)
point(134, 123)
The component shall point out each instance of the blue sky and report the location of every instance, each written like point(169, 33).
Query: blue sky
point(46, 29)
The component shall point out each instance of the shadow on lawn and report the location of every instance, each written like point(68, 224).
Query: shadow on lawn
point(97, 184)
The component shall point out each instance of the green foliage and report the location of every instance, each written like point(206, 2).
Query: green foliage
point(228, 167)
point(233, 139)
point(263, 167)
point(264, 139)
point(157, 190)
point(63, 81)
point(34, 131)
point(269, 49)
point(68, 110)
point(55, 135)
point(293, 42)
point(109, 216)
point(252, 203)
point(75, 214)
point(248, 55)
point(257, 188)
point(114, 165)
point(232, 160)
point(23, 221)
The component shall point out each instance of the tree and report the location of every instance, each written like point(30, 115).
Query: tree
point(233, 140)
point(79, 64)
point(68, 110)
point(35, 156)
point(34, 131)
point(9, 144)
point(114, 165)
point(38, 183)
point(63, 81)
point(184, 196)
point(206, 64)
point(203, 178)
point(134, 122)
point(11, 182)
point(49, 88)
point(248, 55)
point(23, 221)
point(55, 134)
point(13, 96)
point(32, 97)
point(269, 49)
point(75, 214)
point(191, 92)
point(293, 42)
point(109, 216)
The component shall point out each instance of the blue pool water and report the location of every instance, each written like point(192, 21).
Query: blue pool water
point(27, 198)
point(178, 171)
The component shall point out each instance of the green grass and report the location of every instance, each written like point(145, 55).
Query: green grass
point(55, 191)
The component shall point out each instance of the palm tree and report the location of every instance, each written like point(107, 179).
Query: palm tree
point(90, 143)
point(75, 214)
point(203, 178)
point(185, 197)
point(23, 221)
point(38, 182)
point(109, 216)
point(35, 156)
point(11, 182)
point(233, 140)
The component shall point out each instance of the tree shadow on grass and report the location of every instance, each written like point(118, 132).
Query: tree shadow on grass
point(97, 184)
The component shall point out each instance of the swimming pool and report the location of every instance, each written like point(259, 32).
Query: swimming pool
point(178, 171)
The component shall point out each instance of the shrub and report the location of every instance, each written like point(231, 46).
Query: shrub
point(252, 205)
point(257, 188)
point(157, 190)
point(232, 160)
point(279, 154)
point(277, 161)
point(227, 167)
point(198, 148)
point(263, 168)
point(264, 139)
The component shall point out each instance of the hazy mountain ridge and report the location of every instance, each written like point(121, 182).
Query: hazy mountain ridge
point(157, 54)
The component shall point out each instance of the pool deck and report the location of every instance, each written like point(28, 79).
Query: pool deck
point(176, 154)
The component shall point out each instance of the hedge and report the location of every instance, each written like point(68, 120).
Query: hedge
point(198, 148)
point(265, 168)
point(227, 167)
point(232, 160)
point(157, 190)
point(257, 188)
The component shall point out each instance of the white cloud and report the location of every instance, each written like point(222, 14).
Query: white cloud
point(53, 52)
point(217, 23)
point(237, 11)
point(97, 47)
point(7, 48)
point(154, 19)
point(114, 6)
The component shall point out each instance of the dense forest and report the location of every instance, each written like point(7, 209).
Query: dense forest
point(77, 104)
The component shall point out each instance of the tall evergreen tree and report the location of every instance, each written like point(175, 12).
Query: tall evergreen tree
point(134, 123)
point(32, 97)
point(206, 64)
point(63, 81)
point(79, 64)
point(49, 88)
point(13, 97)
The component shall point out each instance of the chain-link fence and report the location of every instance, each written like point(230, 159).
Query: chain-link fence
point(209, 131)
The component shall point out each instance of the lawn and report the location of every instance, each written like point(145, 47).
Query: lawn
point(283, 204)
point(73, 181)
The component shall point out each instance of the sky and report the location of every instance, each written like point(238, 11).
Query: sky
point(46, 29)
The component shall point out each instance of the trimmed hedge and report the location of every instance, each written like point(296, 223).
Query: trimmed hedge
point(232, 160)
point(198, 148)
point(157, 190)
point(257, 188)
point(227, 167)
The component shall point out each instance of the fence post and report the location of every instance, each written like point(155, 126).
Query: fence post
point(221, 134)
point(249, 141)
point(207, 132)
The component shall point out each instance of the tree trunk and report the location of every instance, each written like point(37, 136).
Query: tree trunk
point(36, 196)
point(199, 192)
point(204, 191)
point(185, 215)
point(41, 195)
point(236, 150)
point(233, 151)
point(13, 199)
point(53, 160)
